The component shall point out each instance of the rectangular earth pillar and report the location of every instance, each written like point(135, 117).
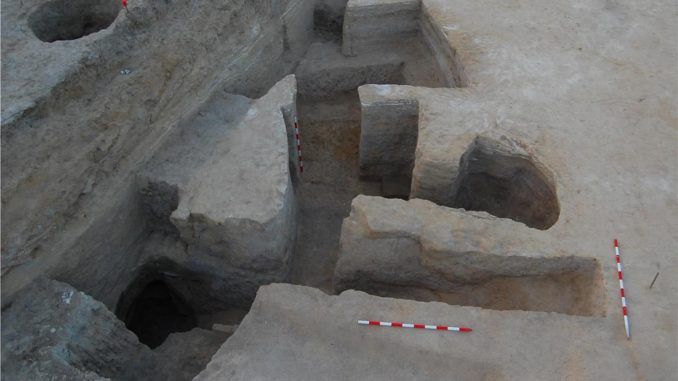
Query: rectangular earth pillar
point(237, 212)
point(388, 137)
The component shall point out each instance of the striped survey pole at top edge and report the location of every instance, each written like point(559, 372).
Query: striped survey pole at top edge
point(625, 311)
point(414, 325)
point(298, 139)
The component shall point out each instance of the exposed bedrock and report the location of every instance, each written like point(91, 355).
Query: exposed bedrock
point(416, 249)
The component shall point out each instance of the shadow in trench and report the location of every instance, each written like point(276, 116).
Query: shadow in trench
point(158, 311)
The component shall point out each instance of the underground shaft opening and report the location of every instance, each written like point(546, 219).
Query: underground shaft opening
point(158, 311)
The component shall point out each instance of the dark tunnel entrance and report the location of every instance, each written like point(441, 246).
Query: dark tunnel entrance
point(158, 311)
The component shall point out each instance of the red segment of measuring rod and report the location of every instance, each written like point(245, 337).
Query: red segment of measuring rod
point(414, 325)
point(622, 294)
point(298, 139)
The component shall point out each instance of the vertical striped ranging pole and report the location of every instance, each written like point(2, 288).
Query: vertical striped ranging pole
point(414, 325)
point(298, 138)
point(625, 311)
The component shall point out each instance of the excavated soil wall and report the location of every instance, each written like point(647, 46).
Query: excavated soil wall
point(68, 162)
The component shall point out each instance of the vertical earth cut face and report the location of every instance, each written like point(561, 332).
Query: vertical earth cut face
point(239, 206)
point(388, 141)
point(378, 25)
point(370, 23)
point(456, 161)
point(80, 206)
point(69, 20)
point(230, 203)
point(422, 251)
point(390, 48)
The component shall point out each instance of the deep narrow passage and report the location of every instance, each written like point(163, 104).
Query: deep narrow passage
point(329, 117)
point(331, 136)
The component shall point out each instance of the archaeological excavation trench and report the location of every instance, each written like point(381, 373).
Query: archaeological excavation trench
point(328, 110)
point(204, 201)
point(329, 113)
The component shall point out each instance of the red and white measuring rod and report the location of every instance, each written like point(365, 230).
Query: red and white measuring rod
point(414, 325)
point(625, 311)
point(298, 138)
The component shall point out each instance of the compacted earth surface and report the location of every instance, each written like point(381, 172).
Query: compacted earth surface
point(222, 190)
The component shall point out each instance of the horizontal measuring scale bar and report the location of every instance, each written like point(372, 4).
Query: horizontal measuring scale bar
point(414, 325)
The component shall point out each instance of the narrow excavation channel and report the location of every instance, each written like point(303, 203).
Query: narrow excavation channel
point(331, 136)
point(329, 114)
